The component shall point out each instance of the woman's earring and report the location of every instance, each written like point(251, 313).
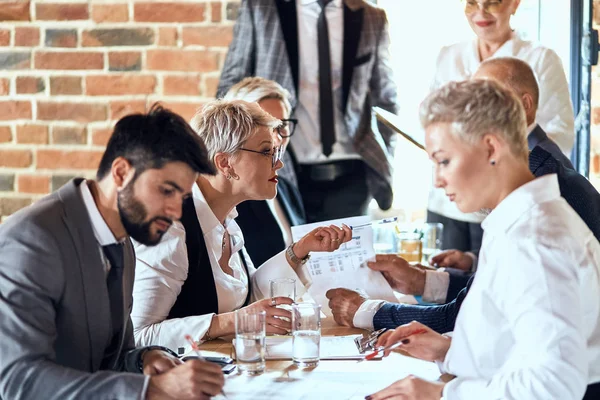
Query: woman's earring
point(492, 162)
point(228, 177)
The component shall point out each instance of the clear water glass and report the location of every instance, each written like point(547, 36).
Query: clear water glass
point(432, 240)
point(250, 332)
point(283, 287)
point(306, 333)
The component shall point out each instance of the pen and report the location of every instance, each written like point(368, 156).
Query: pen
point(197, 351)
point(381, 221)
point(375, 352)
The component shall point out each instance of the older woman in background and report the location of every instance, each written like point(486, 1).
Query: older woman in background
point(530, 326)
point(490, 21)
point(266, 223)
point(200, 272)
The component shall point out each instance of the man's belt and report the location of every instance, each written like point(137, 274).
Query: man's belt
point(330, 171)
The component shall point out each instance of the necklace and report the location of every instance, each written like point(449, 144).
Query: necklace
point(224, 243)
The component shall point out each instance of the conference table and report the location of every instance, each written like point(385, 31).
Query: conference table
point(331, 379)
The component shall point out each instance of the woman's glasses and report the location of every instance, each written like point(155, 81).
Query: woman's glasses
point(287, 127)
point(276, 154)
point(490, 6)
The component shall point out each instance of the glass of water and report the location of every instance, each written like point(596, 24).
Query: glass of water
point(250, 331)
point(283, 287)
point(432, 240)
point(306, 332)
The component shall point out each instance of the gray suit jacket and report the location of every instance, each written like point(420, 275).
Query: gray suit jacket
point(54, 307)
point(265, 43)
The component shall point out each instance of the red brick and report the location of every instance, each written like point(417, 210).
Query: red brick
point(61, 38)
point(32, 134)
point(119, 109)
point(27, 36)
point(69, 134)
point(69, 85)
point(185, 109)
point(64, 159)
point(5, 134)
point(4, 86)
point(100, 136)
point(10, 110)
point(15, 158)
point(61, 11)
point(117, 37)
point(119, 85)
point(80, 112)
point(36, 184)
point(69, 60)
point(15, 60)
point(216, 11)
point(596, 164)
point(30, 85)
point(210, 36)
point(4, 37)
point(167, 36)
point(11, 205)
point(125, 61)
point(177, 60)
point(169, 12)
point(110, 13)
point(17, 10)
point(182, 85)
point(211, 84)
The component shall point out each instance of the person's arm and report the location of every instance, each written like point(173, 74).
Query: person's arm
point(555, 111)
point(31, 285)
point(161, 271)
point(543, 312)
point(382, 87)
point(240, 61)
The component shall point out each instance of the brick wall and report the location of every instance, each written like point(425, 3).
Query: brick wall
point(70, 69)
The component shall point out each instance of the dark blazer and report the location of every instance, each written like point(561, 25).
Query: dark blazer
point(55, 322)
point(576, 190)
point(265, 43)
point(538, 137)
point(262, 236)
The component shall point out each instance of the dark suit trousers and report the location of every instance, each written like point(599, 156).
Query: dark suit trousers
point(459, 235)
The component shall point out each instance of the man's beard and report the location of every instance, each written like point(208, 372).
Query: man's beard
point(133, 217)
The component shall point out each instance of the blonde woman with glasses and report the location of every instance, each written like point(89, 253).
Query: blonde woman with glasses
point(200, 273)
point(530, 326)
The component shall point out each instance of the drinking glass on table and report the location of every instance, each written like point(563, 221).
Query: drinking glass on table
point(410, 246)
point(250, 331)
point(283, 287)
point(306, 333)
point(432, 240)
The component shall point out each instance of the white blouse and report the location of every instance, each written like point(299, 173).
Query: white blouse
point(555, 112)
point(530, 325)
point(161, 271)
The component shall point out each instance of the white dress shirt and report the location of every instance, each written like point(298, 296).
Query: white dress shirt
point(555, 112)
point(307, 139)
point(529, 327)
point(161, 271)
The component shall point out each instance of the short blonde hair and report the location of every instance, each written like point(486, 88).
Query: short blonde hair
point(255, 89)
point(475, 108)
point(225, 125)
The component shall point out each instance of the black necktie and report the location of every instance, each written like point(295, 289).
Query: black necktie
point(114, 283)
point(326, 115)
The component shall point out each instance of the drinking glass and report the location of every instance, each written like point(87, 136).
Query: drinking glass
point(250, 331)
point(410, 246)
point(306, 333)
point(432, 240)
point(283, 287)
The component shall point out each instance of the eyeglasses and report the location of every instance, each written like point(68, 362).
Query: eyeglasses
point(276, 154)
point(490, 6)
point(287, 127)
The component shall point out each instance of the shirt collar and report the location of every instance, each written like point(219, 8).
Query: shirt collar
point(102, 232)
point(206, 216)
point(520, 201)
point(337, 3)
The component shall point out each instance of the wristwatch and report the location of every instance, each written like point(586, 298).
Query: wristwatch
point(149, 348)
point(294, 258)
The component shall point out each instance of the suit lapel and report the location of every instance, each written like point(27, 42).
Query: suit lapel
point(92, 270)
point(353, 21)
point(289, 27)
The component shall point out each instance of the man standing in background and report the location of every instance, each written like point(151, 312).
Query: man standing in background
point(333, 56)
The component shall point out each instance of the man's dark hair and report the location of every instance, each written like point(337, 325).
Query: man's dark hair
point(154, 139)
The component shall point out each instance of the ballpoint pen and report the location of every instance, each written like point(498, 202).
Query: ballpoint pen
point(381, 221)
point(379, 349)
point(197, 351)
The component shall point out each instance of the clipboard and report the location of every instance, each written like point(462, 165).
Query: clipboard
point(393, 122)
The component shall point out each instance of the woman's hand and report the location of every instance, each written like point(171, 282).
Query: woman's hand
point(323, 238)
point(275, 324)
point(418, 340)
point(410, 388)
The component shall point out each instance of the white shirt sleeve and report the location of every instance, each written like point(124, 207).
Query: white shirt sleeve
point(544, 320)
point(274, 268)
point(436, 286)
point(365, 314)
point(160, 273)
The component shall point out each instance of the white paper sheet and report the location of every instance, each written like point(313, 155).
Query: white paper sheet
point(346, 267)
point(332, 348)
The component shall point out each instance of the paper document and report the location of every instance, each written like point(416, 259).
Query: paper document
point(332, 348)
point(346, 267)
